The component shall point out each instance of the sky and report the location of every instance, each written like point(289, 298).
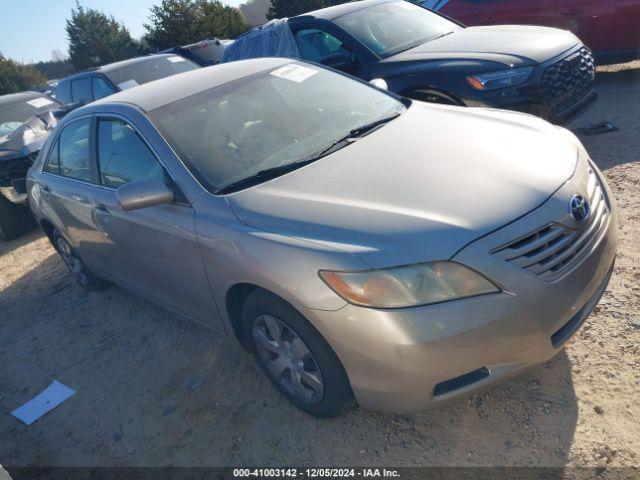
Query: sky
point(31, 29)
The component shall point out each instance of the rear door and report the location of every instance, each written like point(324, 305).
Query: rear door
point(67, 188)
point(627, 20)
point(596, 22)
point(154, 250)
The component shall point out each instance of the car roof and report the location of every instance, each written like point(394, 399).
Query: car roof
point(116, 65)
point(167, 90)
point(331, 13)
point(18, 97)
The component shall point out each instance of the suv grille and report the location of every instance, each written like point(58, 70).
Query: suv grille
point(554, 250)
point(569, 80)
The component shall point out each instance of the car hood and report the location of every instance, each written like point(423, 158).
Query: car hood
point(509, 44)
point(418, 189)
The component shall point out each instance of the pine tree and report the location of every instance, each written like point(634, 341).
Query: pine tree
point(16, 77)
point(96, 39)
point(180, 22)
point(291, 8)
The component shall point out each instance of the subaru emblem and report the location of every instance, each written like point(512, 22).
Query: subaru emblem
point(579, 208)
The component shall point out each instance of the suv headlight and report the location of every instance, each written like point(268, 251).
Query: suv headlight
point(409, 286)
point(500, 79)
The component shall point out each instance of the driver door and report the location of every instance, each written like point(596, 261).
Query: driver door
point(320, 46)
point(153, 250)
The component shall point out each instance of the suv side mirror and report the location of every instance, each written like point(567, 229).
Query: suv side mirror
point(60, 112)
point(337, 60)
point(143, 194)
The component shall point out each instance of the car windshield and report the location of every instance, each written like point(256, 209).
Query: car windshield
point(271, 120)
point(13, 115)
point(148, 70)
point(391, 28)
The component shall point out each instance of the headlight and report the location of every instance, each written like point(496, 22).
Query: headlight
point(501, 79)
point(408, 286)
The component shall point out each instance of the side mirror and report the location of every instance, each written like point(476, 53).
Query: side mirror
point(60, 112)
point(379, 83)
point(337, 60)
point(143, 194)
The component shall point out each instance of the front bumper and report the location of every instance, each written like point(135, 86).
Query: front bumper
point(409, 360)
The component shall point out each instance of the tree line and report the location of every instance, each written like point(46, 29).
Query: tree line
point(96, 38)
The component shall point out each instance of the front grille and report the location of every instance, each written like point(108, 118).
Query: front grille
point(569, 80)
point(553, 250)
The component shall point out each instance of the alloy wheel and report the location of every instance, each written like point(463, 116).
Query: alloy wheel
point(74, 264)
point(288, 359)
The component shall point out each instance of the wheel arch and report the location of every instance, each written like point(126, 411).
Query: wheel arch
point(234, 300)
point(48, 228)
point(426, 94)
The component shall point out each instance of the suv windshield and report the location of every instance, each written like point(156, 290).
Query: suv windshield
point(391, 28)
point(283, 117)
point(14, 114)
point(150, 69)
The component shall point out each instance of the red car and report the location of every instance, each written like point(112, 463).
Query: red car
point(611, 28)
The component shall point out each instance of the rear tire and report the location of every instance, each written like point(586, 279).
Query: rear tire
point(76, 266)
point(295, 357)
point(14, 220)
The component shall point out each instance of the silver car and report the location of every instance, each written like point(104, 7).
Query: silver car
point(366, 248)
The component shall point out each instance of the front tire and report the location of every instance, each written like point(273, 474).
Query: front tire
point(295, 357)
point(76, 266)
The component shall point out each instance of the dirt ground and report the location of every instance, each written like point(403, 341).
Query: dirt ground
point(153, 389)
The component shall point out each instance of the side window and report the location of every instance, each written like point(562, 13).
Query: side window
point(314, 44)
point(63, 92)
point(101, 88)
point(123, 156)
point(53, 164)
point(81, 90)
point(73, 151)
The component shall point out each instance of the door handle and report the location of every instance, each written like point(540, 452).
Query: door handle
point(102, 210)
point(46, 191)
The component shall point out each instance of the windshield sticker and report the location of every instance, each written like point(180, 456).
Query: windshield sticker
point(40, 102)
point(176, 59)
point(128, 84)
point(295, 73)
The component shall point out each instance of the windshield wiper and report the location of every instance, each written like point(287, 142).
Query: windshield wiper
point(263, 176)
point(358, 132)
point(440, 36)
point(269, 173)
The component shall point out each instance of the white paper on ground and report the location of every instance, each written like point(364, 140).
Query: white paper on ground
point(50, 398)
point(39, 102)
point(128, 84)
point(295, 73)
